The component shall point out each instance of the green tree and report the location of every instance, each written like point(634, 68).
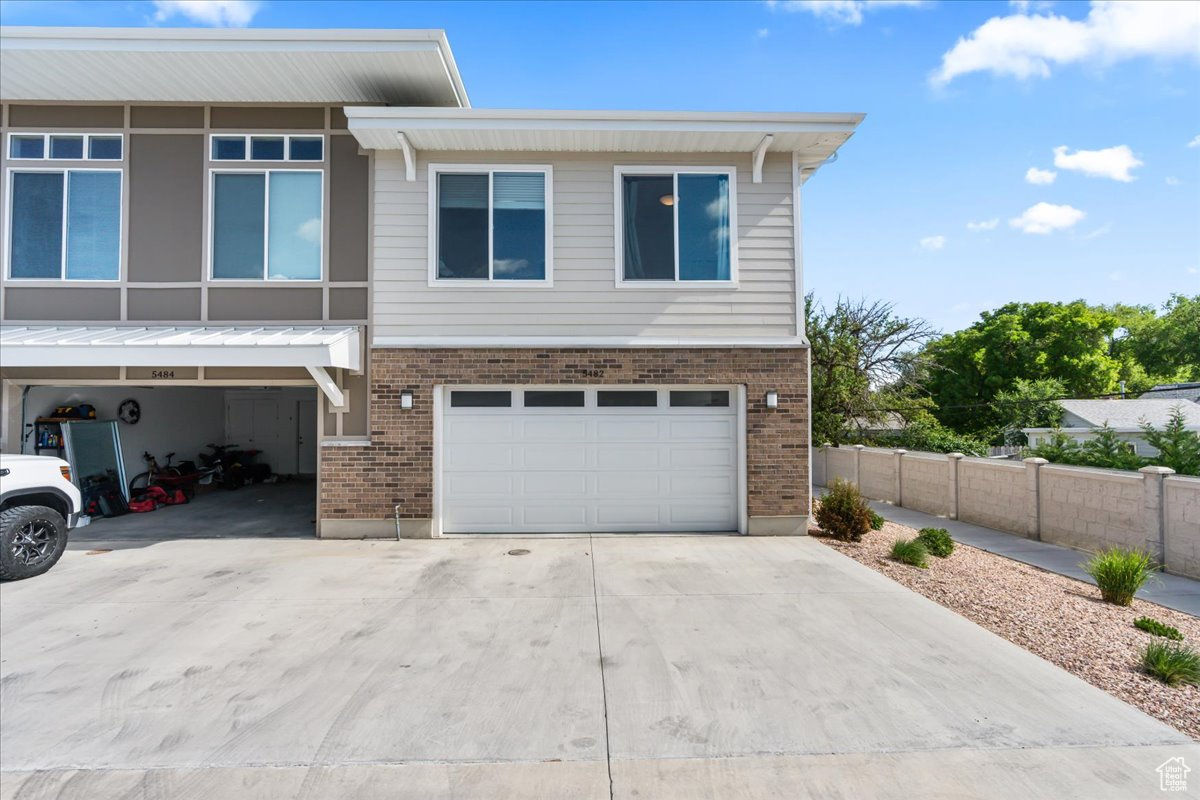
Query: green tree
point(859, 348)
point(1165, 346)
point(1178, 447)
point(1029, 404)
point(1068, 342)
point(1107, 450)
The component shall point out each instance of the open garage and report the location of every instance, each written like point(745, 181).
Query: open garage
point(226, 447)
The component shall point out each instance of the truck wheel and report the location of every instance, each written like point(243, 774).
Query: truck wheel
point(32, 540)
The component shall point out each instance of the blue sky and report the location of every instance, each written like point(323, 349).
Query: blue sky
point(963, 99)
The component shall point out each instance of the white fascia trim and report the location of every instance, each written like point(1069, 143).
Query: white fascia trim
point(537, 342)
point(1096, 430)
point(415, 118)
point(151, 355)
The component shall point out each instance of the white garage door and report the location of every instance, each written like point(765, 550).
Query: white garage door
point(602, 459)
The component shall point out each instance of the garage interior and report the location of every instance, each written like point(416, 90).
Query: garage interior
point(278, 498)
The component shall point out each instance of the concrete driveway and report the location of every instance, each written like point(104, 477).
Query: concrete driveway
point(652, 667)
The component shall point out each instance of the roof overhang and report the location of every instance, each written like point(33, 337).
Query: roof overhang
point(186, 65)
point(811, 138)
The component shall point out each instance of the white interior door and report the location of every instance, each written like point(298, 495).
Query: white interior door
point(306, 437)
point(571, 459)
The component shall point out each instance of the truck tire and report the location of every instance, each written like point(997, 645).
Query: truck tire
point(32, 540)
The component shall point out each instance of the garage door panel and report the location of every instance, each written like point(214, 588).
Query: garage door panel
point(626, 456)
point(563, 484)
point(479, 456)
point(628, 484)
point(480, 430)
point(701, 485)
point(559, 515)
point(645, 516)
point(691, 456)
point(701, 429)
point(545, 430)
point(627, 430)
point(554, 456)
point(480, 484)
point(591, 468)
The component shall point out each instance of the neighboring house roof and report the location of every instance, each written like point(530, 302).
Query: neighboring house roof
point(812, 137)
point(1126, 414)
point(1185, 391)
point(890, 421)
point(207, 65)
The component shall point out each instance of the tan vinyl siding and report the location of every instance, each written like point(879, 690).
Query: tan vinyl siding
point(584, 300)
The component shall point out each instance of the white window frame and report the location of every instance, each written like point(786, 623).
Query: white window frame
point(45, 137)
point(64, 171)
point(490, 282)
point(212, 206)
point(287, 148)
point(619, 172)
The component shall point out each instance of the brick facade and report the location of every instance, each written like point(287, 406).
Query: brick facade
point(396, 469)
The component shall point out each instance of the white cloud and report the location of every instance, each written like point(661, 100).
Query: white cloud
point(510, 266)
point(933, 242)
point(1047, 218)
point(217, 13)
point(1040, 177)
point(1192, 270)
point(1026, 46)
point(1172, 180)
point(841, 12)
point(1194, 142)
point(763, 33)
point(983, 225)
point(310, 230)
point(1111, 162)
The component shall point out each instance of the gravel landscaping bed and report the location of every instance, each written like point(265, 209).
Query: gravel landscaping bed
point(1058, 618)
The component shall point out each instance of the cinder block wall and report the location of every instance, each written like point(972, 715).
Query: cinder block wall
point(925, 483)
point(1079, 507)
point(1092, 509)
point(1181, 513)
point(994, 494)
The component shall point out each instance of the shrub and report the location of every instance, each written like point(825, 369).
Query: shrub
point(844, 513)
point(1173, 664)
point(1119, 573)
point(877, 521)
point(911, 552)
point(937, 541)
point(1150, 625)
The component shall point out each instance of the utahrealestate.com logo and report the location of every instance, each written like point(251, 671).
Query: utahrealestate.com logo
point(1172, 775)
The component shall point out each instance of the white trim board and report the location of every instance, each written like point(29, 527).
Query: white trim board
point(537, 342)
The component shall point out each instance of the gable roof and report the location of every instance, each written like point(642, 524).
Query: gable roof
point(1127, 414)
point(229, 65)
point(1188, 391)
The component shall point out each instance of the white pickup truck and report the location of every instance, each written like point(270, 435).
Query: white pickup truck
point(38, 505)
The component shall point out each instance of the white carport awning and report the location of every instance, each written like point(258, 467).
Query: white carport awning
point(314, 348)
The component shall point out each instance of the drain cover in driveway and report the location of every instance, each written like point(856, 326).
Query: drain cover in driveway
point(518, 552)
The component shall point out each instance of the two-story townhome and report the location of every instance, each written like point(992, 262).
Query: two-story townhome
point(518, 321)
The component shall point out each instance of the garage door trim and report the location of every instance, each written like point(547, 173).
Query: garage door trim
point(440, 409)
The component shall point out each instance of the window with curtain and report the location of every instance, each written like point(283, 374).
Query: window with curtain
point(267, 225)
point(676, 226)
point(491, 226)
point(65, 225)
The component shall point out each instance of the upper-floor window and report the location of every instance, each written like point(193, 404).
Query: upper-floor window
point(64, 224)
point(267, 224)
point(490, 225)
point(267, 147)
point(676, 225)
point(65, 146)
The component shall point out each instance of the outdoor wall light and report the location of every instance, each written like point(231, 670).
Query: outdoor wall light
point(406, 400)
point(772, 399)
